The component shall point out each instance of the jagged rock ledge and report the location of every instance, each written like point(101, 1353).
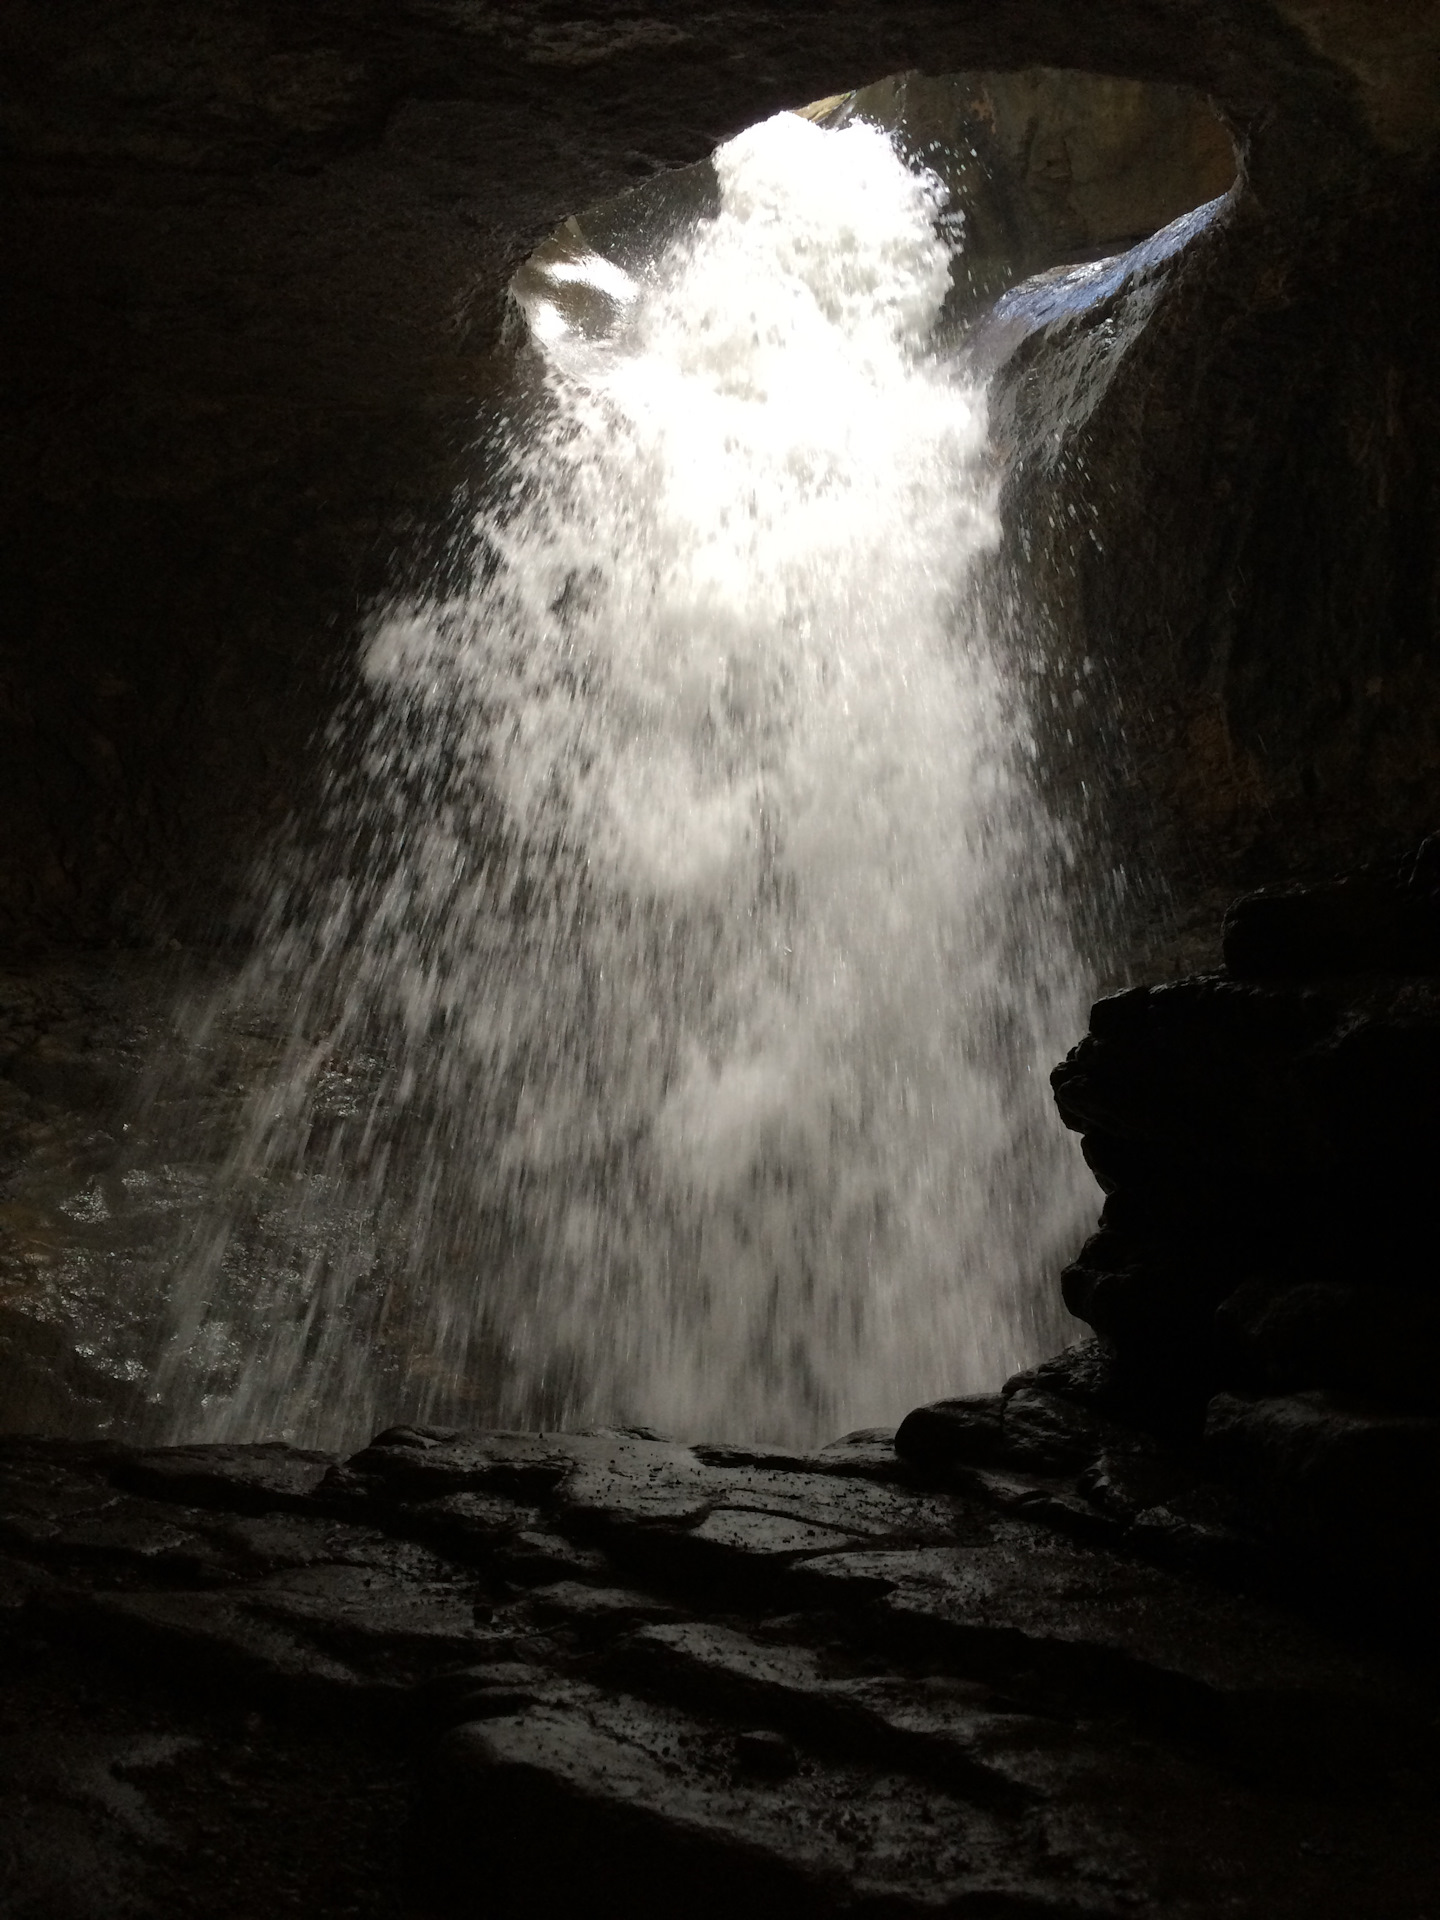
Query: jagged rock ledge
point(645, 1679)
point(1264, 1276)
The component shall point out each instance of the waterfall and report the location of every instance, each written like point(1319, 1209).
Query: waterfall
point(670, 1006)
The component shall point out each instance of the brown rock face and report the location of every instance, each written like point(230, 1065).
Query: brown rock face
point(254, 261)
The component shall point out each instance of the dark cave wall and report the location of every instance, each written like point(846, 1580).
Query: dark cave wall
point(1257, 566)
point(255, 258)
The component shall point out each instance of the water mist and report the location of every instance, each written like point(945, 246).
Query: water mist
point(671, 1005)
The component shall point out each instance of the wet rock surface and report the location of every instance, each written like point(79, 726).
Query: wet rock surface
point(113, 1121)
point(513, 1673)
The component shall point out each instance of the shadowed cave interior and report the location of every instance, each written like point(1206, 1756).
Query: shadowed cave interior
point(1132, 1615)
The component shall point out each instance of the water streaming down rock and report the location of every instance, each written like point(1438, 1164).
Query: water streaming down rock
point(688, 946)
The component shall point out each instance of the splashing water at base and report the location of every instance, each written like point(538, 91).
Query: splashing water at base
point(693, 974)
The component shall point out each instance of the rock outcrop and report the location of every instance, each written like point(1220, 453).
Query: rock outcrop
point(1261, 1401)
point(1264, 1275)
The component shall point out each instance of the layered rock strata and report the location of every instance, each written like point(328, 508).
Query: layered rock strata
point(650, 1679)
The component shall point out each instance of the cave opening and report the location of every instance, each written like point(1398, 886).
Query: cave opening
point(651, 1023)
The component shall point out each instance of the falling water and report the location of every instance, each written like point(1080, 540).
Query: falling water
point(669, 1014)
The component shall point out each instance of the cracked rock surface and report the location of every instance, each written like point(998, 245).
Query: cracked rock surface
point(526, 1674)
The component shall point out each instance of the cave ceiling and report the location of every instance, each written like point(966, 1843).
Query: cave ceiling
point(256, 258)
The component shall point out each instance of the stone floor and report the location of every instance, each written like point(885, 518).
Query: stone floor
point(527, 1674)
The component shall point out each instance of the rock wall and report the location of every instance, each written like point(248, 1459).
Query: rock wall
point(255, 259)
point(1234, 530)
point(1047, 166)
point(1263, 1279)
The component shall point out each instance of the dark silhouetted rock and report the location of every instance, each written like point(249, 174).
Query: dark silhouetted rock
point(1384, 922)
point(953, 1430)
point(1144, 1302)
point(1353, 1486)
point(1376, 1341)
point(1244, 1129)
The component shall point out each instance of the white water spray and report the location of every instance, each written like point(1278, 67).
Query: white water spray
point(691, 991)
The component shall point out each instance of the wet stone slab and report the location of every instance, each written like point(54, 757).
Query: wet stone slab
point(640, 1678)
